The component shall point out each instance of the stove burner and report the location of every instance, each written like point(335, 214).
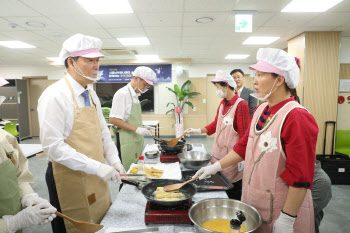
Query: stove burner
point(163, 152)
point(166, 156)
point(164, 214)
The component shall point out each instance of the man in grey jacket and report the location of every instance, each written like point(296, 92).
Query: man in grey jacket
point(244, 92)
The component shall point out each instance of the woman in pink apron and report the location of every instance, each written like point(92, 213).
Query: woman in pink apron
point(231, 122)
point(278, 148)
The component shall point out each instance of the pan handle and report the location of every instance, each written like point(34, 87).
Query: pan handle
point(131, 182)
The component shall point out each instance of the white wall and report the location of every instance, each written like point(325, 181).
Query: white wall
point(201, 70)
point(17, 72)
point(344, 56)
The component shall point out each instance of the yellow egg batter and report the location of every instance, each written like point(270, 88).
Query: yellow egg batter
point(220, 225)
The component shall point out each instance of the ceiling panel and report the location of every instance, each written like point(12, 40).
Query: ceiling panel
point(163, 31)
point(127, 32)
point(261, 6)
point(330, 19)
point(57, 8)
point(209, 5)
point(111, 43)
point(23, 35)
point(118, 20)
point(4, 26)
point(290, 19)
point(156, 5)
point(220, 19)
point(161, 19)
point(22, 21)
point(200, 31)
point(86, 22)
point(16, 8)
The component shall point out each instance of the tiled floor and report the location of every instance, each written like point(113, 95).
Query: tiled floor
point(336, 218)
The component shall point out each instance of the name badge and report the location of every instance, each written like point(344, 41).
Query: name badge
point(240, 166)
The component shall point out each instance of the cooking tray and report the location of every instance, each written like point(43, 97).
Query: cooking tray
point(217, 182)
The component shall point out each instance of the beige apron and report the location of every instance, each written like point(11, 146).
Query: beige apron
point(82, 196)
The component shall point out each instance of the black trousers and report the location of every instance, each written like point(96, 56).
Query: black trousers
point(236, 191)
point(57, 224)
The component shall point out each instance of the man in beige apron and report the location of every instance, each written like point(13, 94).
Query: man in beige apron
point(126, 114)
point(16, 191)
point(76, 139)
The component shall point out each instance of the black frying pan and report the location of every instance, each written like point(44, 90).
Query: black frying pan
point(148, 191)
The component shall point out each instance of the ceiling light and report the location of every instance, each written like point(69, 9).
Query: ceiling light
point(106, 6)
point(134, 41)
point(310, 5)
point(237, 56)
point(260, 40)
point(16, 44)
point(204, 20)
point(147, 58)
point(53, 58)
point(35, 24)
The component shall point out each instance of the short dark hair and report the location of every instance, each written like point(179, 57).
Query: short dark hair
point(66, 61)
point(237, 70)
point(223, 84)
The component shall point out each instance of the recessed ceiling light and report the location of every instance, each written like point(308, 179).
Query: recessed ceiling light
point(310, 5)
point(16, 44)
point(53, 58)
point(106, 6)
point(260, 40)
point(237, 56)
point(147, 58)
point(134, 41)
point(35, 24)
point(204, 20)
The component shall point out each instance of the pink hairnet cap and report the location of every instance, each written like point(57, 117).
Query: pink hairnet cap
point(222, 76)
point(3, 82)
point(279, 62)
point(146, 74)
point(81, 46)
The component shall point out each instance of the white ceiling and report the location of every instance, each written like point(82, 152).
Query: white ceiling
point(169, 24)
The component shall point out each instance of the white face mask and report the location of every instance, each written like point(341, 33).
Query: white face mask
point(87, 77)
point(255, 95)
point(141, 91)
point(221, 94)
point(2, 99)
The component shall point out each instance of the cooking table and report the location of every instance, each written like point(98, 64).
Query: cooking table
point(128, 209)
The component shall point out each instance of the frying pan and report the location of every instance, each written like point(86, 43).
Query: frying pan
point(173, 149)
point(148, 191)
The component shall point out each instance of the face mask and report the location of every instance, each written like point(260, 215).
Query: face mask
point(255, 95)
point(221, 94)
point(87, 77)
point(141, 91)
point(2, 99)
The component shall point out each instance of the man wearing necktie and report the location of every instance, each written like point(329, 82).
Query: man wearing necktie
point(76, 140)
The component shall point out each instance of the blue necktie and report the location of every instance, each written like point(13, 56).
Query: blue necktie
point(85, 94)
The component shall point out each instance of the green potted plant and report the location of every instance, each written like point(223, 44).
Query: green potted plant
point(182, 95)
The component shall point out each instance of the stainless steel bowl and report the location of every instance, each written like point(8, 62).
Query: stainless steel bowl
point(194, 159)
point(222, 208)
point(151, 154)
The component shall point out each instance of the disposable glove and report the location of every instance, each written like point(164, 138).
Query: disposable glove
point(284, 224)
point(119, 167)
point(31, 199)
point(108, 173)
point(192, 131)
point(143, 131)
point(206, 172)
point(30, 216)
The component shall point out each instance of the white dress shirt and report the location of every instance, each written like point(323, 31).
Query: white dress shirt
point(122, 103)
point(56, 118)
point(240, 91)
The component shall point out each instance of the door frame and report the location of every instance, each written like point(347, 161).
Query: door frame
point(29, 78)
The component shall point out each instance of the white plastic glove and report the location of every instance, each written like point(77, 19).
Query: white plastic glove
point(192, 131)
point(143, 131)
point(206, 172)
point(108, 173)
point(284, 224)
point(119, 167)
point(31, 199)
point(30, 216)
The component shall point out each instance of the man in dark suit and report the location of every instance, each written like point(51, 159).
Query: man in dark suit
point(243, 91)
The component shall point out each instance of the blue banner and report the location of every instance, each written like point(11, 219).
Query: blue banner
point(123, 73)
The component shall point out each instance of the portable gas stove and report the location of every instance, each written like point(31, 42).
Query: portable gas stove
point(157, 214)
point(168, 157)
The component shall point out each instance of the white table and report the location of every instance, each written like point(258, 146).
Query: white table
point(154, 124)
point(30, 150)
point(128, 209)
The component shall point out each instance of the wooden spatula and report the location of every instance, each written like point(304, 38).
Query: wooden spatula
point(162, 140)
point(174, 141)
point(82, 226)
point(173, 187)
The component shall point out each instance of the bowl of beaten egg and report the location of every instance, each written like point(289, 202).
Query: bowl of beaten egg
point(214, 215)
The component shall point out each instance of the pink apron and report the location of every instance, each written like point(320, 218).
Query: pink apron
point(265, 161)
point(225, 139)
